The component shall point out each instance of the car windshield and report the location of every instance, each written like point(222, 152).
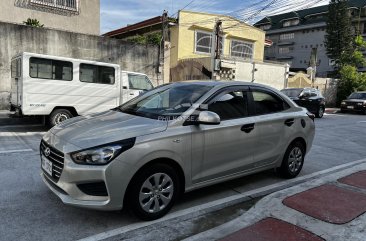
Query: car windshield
point(292, 92)
point(360, 96)
point(166, 101)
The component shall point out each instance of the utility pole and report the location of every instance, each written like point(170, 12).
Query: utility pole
point(216, 56)
point(164, 31)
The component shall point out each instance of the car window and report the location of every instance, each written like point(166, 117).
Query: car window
point(230, 105)
point(266, 103)
point(139, 82)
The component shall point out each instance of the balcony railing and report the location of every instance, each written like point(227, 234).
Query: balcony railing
point(70, 5)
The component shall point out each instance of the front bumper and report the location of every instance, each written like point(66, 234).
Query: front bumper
point(67, 186)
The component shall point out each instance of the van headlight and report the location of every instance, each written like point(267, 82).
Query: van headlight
point(102, 155)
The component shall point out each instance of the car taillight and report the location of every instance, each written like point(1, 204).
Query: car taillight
point(311, 115)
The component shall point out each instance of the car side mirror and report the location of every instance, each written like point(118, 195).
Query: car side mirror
point(304, 95)
point(208, 118)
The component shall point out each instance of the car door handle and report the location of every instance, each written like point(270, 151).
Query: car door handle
point(289, 122)
point(247, 128)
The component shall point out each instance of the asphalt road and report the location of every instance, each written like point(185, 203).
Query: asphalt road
point(29, 211)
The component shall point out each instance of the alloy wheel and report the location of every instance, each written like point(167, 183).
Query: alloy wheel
point(295, 159)
point(156, 193)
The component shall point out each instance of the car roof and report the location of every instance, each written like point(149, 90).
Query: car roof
point(219, 83)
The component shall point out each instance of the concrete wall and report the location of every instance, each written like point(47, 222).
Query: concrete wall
point(15, 39)
point(274, 75)
point(86, 20)
point(183, 35)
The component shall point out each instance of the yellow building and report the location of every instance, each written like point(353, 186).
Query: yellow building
point(189, 49)
point(192, 37)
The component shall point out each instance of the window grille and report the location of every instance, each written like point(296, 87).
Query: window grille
point(242, 49)
point(71, 5)
point(204, 42)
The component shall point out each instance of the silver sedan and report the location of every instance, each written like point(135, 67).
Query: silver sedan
point(174, 139)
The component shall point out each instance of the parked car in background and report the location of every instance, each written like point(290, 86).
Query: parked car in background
point(356, 102)
point(60, 88)
point(309, 98)
point(173, 139)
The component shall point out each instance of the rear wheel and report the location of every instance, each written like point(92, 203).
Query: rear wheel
point(153, 191)
point(293, 160)
point(59, 115)
point(320, 112)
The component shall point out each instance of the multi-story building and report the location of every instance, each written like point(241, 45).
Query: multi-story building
point(80, 16)
point(298, 36)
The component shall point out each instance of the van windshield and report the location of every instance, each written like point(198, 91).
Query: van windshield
point(165, 102)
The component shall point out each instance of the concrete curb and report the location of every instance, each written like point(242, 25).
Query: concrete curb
point(271, 206)
point(332, 110)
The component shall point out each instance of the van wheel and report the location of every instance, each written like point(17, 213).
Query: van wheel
point(58, 116)
point(153, 192)
point(292, 161)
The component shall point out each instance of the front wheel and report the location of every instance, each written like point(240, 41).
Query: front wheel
point(58, 116)
point(293, 160)
point(153, 191)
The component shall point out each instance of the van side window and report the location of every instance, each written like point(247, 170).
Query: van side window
point(90, 73)
point(139, 82)
point(50, 69)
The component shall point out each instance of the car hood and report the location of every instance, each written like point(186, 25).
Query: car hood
point(106, 127)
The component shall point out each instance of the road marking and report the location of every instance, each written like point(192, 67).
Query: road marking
point(16, 151)
point(217, 203)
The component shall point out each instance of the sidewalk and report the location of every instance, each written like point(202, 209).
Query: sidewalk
point(329, 208)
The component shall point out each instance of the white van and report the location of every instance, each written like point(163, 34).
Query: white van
point(60, 88)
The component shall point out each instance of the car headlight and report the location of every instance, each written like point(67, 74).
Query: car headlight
point(102, 155)
point(343, 103)
point(359, 103)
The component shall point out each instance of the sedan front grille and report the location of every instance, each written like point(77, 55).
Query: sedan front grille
point(56, 157)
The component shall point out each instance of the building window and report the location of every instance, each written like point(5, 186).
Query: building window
point(204, 42)
point(285, 50)
point(71, 5)
point(97, 74)
point(242, 49)
point(364, 28)
point(291, 22)
point(286, 36)
point(50, 69)
point(265, 27)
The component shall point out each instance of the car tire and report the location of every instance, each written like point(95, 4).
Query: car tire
point(320, 112)
point(293, 160)
point(149, 201)
point(57, 116)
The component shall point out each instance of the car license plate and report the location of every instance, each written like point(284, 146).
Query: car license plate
point(350, 107)
point(47, 166)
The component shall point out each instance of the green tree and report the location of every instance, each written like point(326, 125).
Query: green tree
point(33, 23)
point(339, 36)
point(350, 79)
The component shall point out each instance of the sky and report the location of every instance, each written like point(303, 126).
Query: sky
point(118, 13)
